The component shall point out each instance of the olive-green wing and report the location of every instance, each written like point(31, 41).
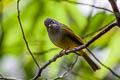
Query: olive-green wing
point(72, 35)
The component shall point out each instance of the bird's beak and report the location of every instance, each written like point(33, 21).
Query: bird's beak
point(49, 25)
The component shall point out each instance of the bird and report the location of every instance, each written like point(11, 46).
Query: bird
point(63, 37)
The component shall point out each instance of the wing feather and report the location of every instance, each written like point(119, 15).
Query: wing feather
point(72, 35)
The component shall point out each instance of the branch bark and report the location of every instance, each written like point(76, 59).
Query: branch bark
point(74, 2)
point(69, 69)
point(116, 11)
point(23, 34)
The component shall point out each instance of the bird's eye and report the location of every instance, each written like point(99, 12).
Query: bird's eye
point(53, 22)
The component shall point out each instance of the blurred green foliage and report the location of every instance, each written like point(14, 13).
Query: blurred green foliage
point(33, 14)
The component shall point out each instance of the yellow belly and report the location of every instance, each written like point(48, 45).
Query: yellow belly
point(66, 44)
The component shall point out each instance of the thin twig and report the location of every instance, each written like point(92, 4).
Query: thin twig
point(118, 76)
point(115, 10)
point(73, 2)
point(48, 63)
point(69, 69)
point(6, 79)
point(24, 35)
point(74, 49)
point(3, 78)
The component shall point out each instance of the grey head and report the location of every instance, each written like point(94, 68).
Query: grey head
point(52, 25)
point(54, 28)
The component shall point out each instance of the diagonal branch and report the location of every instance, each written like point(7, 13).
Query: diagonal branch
point(24, 35)
point(6, 79)
point(103, 64)
point(69, 69)
point(62, 53)
point(116, 11)
point(3, 78)
point(73, 2)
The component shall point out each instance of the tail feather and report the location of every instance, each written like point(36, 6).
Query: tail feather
point(92, 64)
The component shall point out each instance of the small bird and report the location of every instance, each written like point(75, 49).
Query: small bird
point(63, 37)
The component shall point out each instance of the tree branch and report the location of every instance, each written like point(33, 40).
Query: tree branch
point(3, 78)
point(69, 69)
point(62, 53)
point(73, 2)
point(6, 79)
point(24, 35)
point(118, 76)
point(115, 10)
